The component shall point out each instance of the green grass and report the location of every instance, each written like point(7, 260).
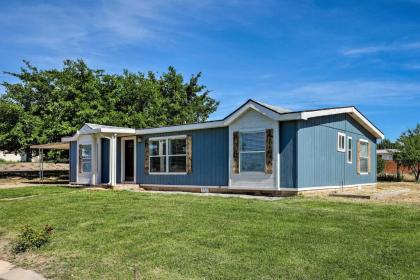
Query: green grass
point(103, 234)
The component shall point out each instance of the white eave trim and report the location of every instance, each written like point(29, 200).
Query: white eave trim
point(345, 110)
point(222, 123)
point(181, 127)
point(118, 130)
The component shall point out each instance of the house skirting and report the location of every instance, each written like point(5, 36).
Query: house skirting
point(237, 190)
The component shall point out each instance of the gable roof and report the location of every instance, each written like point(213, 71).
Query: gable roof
point(91, 128)
point(274, 113)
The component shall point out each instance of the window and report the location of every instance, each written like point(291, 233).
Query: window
point(252, 151)
point(349, 150)
point(168, 155)
point(85, 152)
point(341, 142)
point(364, 157)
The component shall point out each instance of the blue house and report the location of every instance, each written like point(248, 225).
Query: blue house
point(258, 148)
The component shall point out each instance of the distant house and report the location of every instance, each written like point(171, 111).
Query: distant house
point(258, 147)
point(391, 166)
point(12, 156)
point(386, 154)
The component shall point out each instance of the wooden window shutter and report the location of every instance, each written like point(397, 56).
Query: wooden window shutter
point(358, 156)
point(189, 154)
point(146, 155)
point(268, 151)
point(369, 158)
point(235, 163)
point(80, 159)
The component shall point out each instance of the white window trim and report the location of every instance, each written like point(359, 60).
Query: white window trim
point(123, 139)
point(365, 141)
point(250, 152)
point(91, 158)
point(349, 150)
point(339, 135)
point(166, 138)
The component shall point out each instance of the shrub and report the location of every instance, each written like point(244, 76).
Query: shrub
point(390, 177)
point(380, 165)
point(31, 238)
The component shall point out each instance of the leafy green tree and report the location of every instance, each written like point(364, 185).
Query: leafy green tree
point(387, 144)
point(45, 105)
point(409, 150)
point(380, 165)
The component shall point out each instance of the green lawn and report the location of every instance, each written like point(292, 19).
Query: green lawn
point(103, 234)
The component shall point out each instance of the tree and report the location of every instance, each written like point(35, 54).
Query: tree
point(45, 105)
point(387, 144)
point(380, 165)
point(409, 150)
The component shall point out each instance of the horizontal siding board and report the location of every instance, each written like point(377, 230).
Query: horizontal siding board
point(209, 160)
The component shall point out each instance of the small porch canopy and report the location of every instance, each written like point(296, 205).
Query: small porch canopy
point(49, 146)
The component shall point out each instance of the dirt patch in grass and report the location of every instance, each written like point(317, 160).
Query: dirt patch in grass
point(33, 166)
point(391, 192)
point(14, 182)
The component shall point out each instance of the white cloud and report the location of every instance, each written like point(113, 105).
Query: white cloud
point(382, 48)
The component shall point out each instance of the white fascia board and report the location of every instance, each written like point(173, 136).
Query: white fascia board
point(367, 124)
point(255, 106)
point(181, 127)
point(222, 123)
point(70, 138)
point(117, 130)
point(320, 113)
point(346, 110)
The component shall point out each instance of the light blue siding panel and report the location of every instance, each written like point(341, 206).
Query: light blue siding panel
point(288, 164)
point(319, 162)
point(73, 161)
point(210, 157)
point(105, 160)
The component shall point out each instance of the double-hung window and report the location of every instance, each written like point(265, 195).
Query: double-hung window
point(364, 157)
point(168, 155)
point(349, 149)
point(85, 158)
point(252, 151)
point(341, 142)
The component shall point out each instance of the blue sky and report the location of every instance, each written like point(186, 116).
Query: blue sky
point(295, 54)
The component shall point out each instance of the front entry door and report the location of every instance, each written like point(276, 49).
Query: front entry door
point(129, 160)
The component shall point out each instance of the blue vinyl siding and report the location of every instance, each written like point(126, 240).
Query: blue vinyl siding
point(288, 150)
point(105, 160)
point(210, 157)
point(73, 161)
point(118, 160)
point(319, 162)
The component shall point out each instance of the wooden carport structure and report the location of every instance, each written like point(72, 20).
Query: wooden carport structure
point(49, 146)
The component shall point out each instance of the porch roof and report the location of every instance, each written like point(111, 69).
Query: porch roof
point(52, 146)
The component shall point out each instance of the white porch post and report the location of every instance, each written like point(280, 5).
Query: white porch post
point(113, 160)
